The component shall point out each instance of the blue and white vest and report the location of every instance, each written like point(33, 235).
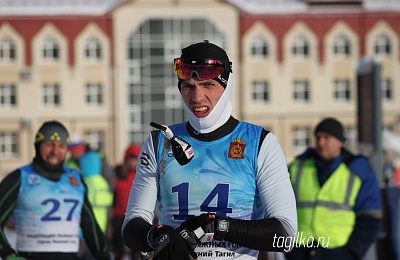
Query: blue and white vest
point(221, 178)
point(48, 213)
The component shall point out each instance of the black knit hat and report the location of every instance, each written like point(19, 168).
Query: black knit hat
point(52, 131)
point(207, 51)
point(332, 127)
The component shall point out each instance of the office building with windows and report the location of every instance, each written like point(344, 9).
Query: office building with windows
point(105, 67)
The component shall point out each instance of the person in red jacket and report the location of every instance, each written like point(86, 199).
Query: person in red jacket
point(124, 175)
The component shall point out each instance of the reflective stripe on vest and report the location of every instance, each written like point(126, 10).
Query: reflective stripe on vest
point(325, 212)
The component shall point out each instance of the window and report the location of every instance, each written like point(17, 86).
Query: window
point(350, 134)
point(135, 117)
point(93, 49)
point(382, 45)
point(8, 96)
point(133, 71)
point(94, 94)
point(7, 50)
point(173, 98)
point(51, 49)
point(301, 138)
point(51, 95)
point(95, 139)
point(260, 92)
point(259, 48)
point(386, 87)
point(342, 90)
point(8, 145)
point(301, 92)
point(300, 47)
point(131, 94)
point(152, 89)
point(341, 47)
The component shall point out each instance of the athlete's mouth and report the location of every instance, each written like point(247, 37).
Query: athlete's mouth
point(200, 109)
point(52, 160)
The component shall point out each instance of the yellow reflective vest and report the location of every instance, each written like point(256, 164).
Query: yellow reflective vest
point(100, 197)
point(325, 214)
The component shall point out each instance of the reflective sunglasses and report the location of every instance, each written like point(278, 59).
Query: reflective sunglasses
point(205, 69)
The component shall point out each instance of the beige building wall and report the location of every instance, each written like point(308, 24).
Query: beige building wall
point(281, 114)
point(30, 112)
point(10, 117)
point(390, 70)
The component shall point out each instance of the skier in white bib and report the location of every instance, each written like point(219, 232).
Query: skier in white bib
point(225, 192)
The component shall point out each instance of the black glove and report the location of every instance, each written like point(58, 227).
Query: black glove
point(192, 230)
point(104, 256)
point(168, 244)
point(205, 221)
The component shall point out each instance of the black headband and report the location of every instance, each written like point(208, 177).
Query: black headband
point(207, 51)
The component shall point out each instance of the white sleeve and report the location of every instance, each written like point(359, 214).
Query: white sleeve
point(274, 185)
point(143, 195)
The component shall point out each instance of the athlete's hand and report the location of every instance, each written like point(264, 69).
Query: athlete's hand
point(192, 230)
point(205, 221)
point(168, 244)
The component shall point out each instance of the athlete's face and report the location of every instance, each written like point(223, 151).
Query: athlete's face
point(328, 146)
point(53, 152)
point(201, 96)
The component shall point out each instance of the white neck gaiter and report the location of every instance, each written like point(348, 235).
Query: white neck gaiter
point(218, 116)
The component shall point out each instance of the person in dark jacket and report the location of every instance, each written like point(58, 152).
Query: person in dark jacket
point(48, 204)
point(124, 175)
point(338, 199)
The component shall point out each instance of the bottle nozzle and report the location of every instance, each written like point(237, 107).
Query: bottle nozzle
point(182, 150)
point(164, 129)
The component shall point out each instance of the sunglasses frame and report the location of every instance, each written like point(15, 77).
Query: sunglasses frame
point(226, 65)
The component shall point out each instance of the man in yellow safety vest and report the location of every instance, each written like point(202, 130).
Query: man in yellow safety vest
point(338, 199)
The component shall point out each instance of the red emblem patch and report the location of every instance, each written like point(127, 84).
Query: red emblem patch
point(236, 150)
point(73, 180)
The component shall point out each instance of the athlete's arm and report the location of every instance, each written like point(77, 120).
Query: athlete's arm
point(274, 185)
point(277, 196)
point(9, 190)
point(142, 200)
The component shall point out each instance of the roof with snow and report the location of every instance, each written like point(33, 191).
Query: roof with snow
point(56, 7)
point(257, 7)
point(303, 6)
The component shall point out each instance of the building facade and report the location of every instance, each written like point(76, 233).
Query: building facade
point(300, 67)
point(104, 68)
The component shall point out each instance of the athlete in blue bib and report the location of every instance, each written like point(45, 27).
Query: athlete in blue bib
point(232, 196)
point(48, 204)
